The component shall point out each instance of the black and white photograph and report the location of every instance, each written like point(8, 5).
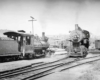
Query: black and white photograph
point(49, 39)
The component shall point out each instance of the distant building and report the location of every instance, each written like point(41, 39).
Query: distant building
point(57, 41)
point(54, 42)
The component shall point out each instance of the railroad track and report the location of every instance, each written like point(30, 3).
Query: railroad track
point(43, 69)
point(22, 70)
point(62, 67)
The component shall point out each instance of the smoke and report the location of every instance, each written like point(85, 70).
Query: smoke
point(46, 14)
point(43, 24)
point(78, 11)
point(81, 6)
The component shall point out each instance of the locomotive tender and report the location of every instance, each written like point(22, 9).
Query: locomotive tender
point(78, 43)
point(22, 45)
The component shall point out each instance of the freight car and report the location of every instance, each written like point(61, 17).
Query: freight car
point(97, 44)
point(22, 45)
point(78, 43)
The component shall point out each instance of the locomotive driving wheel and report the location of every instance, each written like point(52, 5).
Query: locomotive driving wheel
point(30, 56)
point(83, 51)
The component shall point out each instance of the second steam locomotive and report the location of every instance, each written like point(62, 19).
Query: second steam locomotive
point(78, 43)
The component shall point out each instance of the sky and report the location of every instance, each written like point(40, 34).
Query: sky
point(53, 17)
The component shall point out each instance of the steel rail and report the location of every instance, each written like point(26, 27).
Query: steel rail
point(28, 68)
point(69, 65)
point(46, 69)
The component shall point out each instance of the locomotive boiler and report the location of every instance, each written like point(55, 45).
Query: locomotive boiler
point(78, 43)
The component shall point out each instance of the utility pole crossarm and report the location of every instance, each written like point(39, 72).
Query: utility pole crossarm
point(32, 20)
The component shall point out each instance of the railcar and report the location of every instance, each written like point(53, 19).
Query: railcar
point(22, 45)
point(97, 44)
point(78, 42)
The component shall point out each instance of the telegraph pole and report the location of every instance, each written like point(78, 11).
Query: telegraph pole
point(32, 19)
point(32, 24)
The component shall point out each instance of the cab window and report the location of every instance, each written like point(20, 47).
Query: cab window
point(28, 40)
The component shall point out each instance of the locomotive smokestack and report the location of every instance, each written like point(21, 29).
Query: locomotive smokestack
point(44, 38)
point(43, 34)
point(76, 26)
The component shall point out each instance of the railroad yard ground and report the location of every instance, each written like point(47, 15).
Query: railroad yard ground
point(89, 71)
point(84, 72)
point(17, 64)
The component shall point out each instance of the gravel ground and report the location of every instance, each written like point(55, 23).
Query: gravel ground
point(89, 71)
point(93, 73)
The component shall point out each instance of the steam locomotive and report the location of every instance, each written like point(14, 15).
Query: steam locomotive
point(78, 42)
point(18, 44)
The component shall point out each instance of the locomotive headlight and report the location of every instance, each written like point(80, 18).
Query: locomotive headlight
point(76, 37)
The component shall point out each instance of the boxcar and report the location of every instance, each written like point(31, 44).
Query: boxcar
point(97, 44)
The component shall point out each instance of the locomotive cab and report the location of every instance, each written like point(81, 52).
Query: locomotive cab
point(24, 42)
